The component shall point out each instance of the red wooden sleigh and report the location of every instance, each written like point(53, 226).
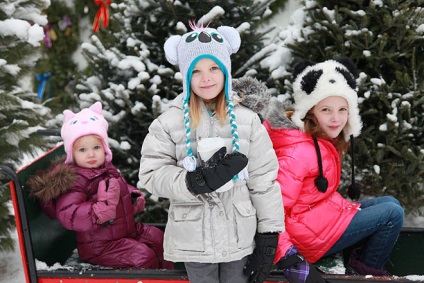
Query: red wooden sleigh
point(42, 240)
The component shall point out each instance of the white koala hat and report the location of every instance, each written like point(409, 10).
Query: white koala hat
point(317, 81)
point(185, 51)
point(216, 44)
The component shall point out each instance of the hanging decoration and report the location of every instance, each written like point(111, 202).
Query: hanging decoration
point(65, 25)
point(49, 35)
point(102, 15)
point(44, 83)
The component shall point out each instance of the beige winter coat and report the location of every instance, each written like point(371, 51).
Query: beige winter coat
point(214, 227)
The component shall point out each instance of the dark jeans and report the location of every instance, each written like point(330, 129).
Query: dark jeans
point(378, 222)
point(224, 272)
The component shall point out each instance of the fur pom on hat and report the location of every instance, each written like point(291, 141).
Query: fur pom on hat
point(216, 44)
point(89, 121)
point(317, 81)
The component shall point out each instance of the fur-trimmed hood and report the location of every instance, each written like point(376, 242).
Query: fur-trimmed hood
point(52, 182)
point(277, 114)
point(251, 93)
point(254, 95)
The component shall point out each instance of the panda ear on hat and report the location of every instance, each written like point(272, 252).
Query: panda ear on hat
point(349, 65)
point(350, 73)
point(299, 67)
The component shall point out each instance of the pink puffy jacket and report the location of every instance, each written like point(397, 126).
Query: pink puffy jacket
point(67, 193)
point(314, 220)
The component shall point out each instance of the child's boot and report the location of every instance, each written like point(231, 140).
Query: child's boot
point(355, 267)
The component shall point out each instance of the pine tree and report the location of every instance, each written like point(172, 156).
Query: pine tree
point(61, 41)
point(132, 78)
point(20, 113)
point(385, 40)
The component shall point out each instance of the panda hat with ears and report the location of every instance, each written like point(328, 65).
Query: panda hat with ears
point(317, 81)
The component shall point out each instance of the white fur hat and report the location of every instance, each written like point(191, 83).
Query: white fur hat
point(317, 81)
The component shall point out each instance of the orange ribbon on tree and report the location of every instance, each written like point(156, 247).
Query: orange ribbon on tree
point(102, 15)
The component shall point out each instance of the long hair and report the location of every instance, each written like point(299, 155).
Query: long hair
point(220, 108)
point(312, 127)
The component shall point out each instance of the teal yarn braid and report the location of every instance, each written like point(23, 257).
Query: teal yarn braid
point(234, 132)
point(187, 129)
point(233, 124)
point(190, 160)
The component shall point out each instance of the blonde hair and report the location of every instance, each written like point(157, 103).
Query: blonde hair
point(89, 135)
point(220, 108)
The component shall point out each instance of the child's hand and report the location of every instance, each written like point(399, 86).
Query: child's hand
point(138, 202)
point(107, 200)
point(109, 194)
point(260, 262)
point(297, 269)
point(209, 179)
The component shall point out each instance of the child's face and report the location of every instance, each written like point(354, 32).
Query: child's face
point(207, 79)
point(88, 152)
point(332, 114)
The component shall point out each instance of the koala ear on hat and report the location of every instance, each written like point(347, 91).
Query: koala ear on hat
point(299, 67)
point(170, 47)
point(232, 36)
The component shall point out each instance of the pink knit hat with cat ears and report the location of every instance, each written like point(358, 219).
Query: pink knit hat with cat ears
point(89, 121)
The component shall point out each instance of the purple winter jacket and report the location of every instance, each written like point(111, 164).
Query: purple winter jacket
point(74, 210)
point(67, 193)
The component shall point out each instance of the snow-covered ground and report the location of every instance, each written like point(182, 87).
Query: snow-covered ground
point(11, 266)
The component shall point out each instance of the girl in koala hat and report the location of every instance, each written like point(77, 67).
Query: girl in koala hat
point(310, 142)
point(214, 231)
point(87, 194)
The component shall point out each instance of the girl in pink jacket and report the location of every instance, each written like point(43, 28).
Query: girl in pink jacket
point(87, 194)
point(310, 142)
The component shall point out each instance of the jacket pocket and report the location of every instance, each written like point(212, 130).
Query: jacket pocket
point(319, 221)
point(186, 229)
point(246, 222)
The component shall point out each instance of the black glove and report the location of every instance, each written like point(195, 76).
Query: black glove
point(208, 179)
point(215, 158)
point(261, 260)
point(297, 270)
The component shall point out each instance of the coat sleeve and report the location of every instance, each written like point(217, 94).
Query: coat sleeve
point(284, 243)
point(264, 190)
point(74, 212)
point(48, 208)
point(290, 177)
point(291, 173)
point(159, 173)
